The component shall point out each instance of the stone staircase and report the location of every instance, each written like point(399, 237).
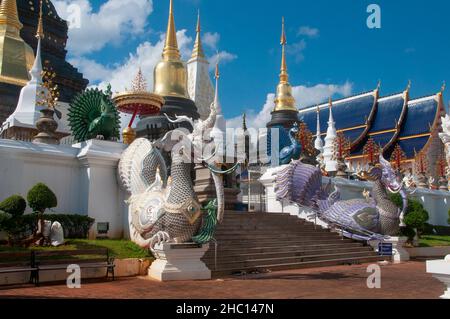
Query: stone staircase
point(249, 242)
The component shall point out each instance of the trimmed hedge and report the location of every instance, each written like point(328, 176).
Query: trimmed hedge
point(75, 226)
point(14, 205)
point(40, 198)
point(416, 216)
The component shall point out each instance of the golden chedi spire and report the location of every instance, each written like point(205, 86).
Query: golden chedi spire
point(198, 47)
point(170, 75)
point(40, 28)
point(16, 56)
point(284, 100)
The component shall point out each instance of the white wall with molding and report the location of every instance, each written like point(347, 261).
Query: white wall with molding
point(83, 177)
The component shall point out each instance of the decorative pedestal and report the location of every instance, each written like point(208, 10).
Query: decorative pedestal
point(47, 127)
point(179, 262)
point(399, 253)
point(441, 271)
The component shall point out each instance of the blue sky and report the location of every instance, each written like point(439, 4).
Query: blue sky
point(330, 46)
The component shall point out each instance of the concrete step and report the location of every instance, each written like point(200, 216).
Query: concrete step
point(284, 248)
point(272, 236)
point(225, 257)
point(236, 242)
point(247, 263)
point(301, 265)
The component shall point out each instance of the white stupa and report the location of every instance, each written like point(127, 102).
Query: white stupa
point(200, 87)
point(27, 110)
point(318, 143)
point(331, 164)
point(218, 133)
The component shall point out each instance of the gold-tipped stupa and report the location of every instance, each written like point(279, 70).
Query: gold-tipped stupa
point(198, 52)
point(16, 56)
point(170, 75)
point(284, 100)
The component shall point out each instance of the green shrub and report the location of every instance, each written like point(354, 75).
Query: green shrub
point(4, 219)
point(408, 232)
point(40, 198)
point(14, 205)
point(416, 216)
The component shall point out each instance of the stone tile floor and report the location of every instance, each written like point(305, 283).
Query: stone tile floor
point(404, 281)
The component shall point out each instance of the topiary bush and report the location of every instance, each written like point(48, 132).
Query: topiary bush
point(416, 216)
point(41, 198)
point(14, 205)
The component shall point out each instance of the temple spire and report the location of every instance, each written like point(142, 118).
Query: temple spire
point(9, 14)
point(284, 77)
point(318, 144)
point(216, 97)
point(198, 48)
point(40, 28)
point(284, 99)
point(171, 51)
point(36, 70)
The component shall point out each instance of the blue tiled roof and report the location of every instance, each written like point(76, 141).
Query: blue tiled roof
point(347, 114)
point(408, 146)
point(388, 113)
point(420, 117)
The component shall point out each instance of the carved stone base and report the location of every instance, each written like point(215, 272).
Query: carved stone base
point(176, 262)
point(47, 126)
point(441, 271)
point(399, 252)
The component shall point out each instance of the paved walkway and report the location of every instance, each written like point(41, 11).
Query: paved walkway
point(398, 282)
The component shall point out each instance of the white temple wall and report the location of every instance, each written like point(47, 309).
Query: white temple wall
point(82, 176)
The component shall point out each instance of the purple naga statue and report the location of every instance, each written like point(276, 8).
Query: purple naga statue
point(361, 219)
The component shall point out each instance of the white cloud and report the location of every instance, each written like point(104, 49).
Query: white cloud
point(296, 49)
point(305, 96)
point(222, 57)
point(211, 40)
point(146, 56)
point(308, 31)
point(114, 21)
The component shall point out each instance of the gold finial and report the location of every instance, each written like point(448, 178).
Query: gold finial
point(318, 109)
point(9, 14)
point(217, 73)
point(408, 87)
point(40, 28)
point(198, 48)
point(284, 100)
point(330, 102)
point(284, 77)
point(444, 86)
point(171, 51)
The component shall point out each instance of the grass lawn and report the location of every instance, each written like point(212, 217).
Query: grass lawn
point(434, 241)
point(120, 249)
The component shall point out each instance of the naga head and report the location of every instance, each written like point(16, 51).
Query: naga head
point(384, 173)
point(197, 147)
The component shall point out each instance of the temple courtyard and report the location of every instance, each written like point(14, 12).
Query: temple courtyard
point(403, 281)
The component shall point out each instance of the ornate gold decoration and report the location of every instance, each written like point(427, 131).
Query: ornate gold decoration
point(40, 28)
point(198, 48)
point(170, 75)
point(16, 56)
point(49, 96)
point(284, 100)
point(137, 101)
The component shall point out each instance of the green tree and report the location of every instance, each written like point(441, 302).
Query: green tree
point(416, 215)
point(40, 198)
